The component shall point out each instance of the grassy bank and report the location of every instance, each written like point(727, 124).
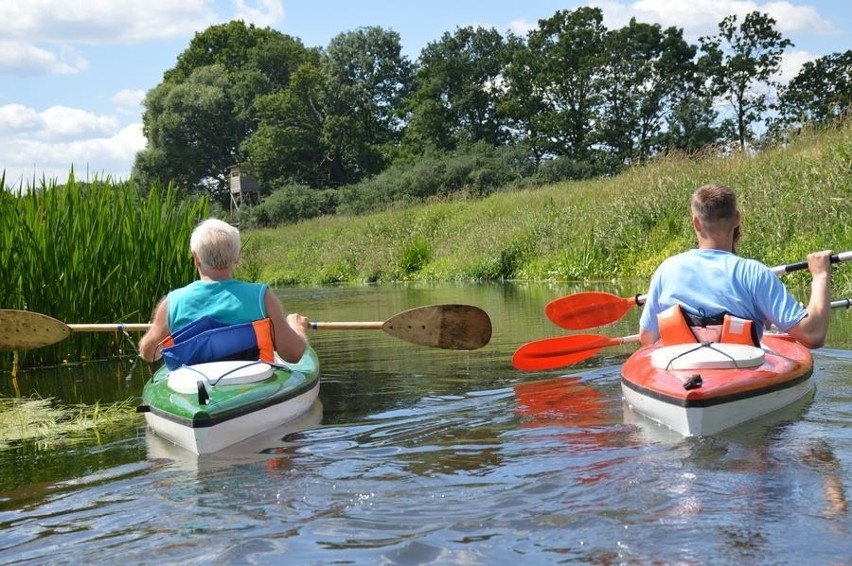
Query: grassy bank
point(794, 200)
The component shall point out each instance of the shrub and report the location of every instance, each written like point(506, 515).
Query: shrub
point(290, 204)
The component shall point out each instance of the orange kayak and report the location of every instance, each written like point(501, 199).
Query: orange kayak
point(703, 389)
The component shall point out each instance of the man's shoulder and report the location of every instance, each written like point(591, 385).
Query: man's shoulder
point(752, 265)
point(689, 256)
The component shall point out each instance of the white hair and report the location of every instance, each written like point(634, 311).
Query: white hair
point(216, 243)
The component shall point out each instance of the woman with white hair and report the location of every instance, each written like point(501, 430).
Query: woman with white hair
point(217, 296)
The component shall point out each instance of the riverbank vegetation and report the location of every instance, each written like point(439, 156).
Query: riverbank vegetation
point(795, 198)
point(103, 252)
point(96, 252)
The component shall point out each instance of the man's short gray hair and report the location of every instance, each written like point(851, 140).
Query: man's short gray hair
point(216, 243)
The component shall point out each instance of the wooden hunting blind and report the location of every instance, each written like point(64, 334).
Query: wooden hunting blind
point(244, 189)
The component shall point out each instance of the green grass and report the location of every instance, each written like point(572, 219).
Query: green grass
point(794, 200)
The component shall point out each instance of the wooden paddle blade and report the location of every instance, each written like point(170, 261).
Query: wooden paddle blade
point(25, 330)
point(587, 310)
point(552, 353)
point(452, 327)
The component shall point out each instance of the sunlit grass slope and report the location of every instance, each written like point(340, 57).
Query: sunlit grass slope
point(795, 199)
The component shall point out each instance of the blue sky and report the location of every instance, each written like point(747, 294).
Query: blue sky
point(73, 73)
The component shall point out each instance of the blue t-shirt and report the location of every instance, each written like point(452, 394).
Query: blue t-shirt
point(230, 301)
point(713, 282)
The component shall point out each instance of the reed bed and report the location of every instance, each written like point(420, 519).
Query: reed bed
point(96, 252)
point(795, 199)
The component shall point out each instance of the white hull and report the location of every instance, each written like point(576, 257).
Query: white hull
point(700, 421)
point(214, 438)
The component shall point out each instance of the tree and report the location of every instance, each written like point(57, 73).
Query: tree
point(522, 106)
point(368, 79)
point(287, 147)
point(197, 120)
point(567, 55)
point(740, 62)
point(189, 128)
point(691, 125)
point(647, 72)
point(820, 93)
point(457, 91)
point(340, 116)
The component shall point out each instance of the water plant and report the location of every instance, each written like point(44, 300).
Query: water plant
point(44, 423)
point(92, 252)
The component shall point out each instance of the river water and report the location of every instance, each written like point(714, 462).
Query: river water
point(423, 456)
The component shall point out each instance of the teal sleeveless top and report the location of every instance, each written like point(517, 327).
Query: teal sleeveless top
point(230, 302)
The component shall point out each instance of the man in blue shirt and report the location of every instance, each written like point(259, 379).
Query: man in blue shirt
point(215, 247)
point(712, 280)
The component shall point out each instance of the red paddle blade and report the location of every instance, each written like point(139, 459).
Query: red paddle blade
point(552, 353)
point(587, 310)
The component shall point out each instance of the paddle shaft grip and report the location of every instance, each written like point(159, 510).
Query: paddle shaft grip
point(836, 258)
point(347, 325)
point(144, 326)
point(136, 327)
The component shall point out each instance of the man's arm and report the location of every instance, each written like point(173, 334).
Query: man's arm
point(647, 337)
point(291, 334)
point(812, 329)
point(148, 345)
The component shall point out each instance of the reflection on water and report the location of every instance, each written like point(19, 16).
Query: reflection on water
point(255, 449)
point(415, 456)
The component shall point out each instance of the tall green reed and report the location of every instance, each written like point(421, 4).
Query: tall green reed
point(92, 252)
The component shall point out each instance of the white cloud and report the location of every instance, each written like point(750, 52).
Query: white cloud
point(18, 118)
point(40, 36)
point(54, 141)
point(48, 37)
point(791, 63)
point(22, 59)
point(702, 17)
point(62, 122)
point(103, 21)
point(522, 27)
point(798, 19)
point(96, 22)
point(267, 12)
point(129, 101)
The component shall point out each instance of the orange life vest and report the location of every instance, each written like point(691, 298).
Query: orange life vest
point(675, 329)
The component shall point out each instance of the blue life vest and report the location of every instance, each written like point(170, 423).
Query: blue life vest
point(208, 340)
